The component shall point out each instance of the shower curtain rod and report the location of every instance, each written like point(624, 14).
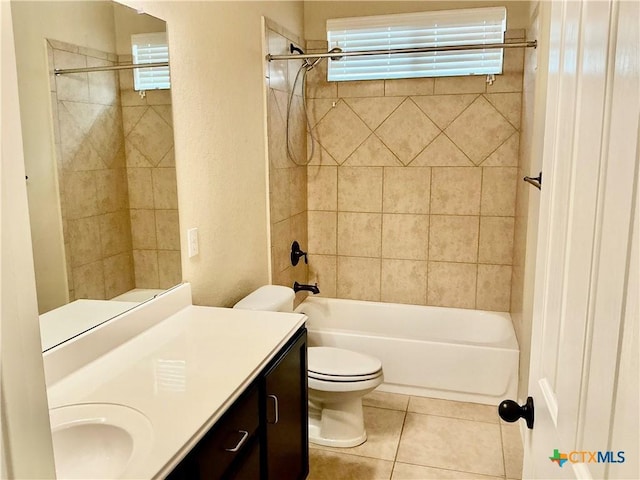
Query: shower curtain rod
point(63, 71)
point(336, 55)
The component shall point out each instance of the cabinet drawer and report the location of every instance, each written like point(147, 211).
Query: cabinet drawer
point(230, 437)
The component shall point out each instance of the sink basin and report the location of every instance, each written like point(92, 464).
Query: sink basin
point(98, 440)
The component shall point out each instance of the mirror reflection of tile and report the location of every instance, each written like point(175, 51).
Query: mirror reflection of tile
point(116, 174)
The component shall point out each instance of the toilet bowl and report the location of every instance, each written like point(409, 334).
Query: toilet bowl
point(338, 378)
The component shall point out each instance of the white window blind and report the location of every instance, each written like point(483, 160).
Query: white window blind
point(150, 48)
point(411, 30)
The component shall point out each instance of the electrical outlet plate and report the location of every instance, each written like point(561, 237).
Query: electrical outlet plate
point(192, 242)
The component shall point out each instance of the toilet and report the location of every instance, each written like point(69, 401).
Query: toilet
point(338, 378)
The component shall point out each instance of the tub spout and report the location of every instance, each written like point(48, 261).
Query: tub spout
point(298, 287)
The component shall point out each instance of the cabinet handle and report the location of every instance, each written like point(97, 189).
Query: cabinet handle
point(275, 407)
point(245, 435)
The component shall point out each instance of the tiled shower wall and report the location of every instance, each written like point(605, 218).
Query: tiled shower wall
point(287, 171)
point(411, 190)
point(91, 174)
point(151, 174)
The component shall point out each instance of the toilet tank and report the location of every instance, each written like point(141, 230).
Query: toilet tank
point(269, 298)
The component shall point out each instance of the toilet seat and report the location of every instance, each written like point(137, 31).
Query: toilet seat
point(339, 365)
point(344, 378)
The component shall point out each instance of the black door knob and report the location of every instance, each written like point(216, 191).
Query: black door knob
point(510, 411)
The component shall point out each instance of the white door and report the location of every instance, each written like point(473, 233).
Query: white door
point(589, 179)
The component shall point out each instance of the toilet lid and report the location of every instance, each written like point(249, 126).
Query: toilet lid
point(337, 362)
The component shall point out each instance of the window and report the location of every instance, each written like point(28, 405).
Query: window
point(411, 30)
point(150, 48)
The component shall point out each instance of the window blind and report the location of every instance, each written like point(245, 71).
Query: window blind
point(150, 48)
point(421, 29)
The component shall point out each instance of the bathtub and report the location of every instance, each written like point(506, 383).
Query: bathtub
point(447, 353)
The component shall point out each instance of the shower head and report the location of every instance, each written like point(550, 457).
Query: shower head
point(293, 48)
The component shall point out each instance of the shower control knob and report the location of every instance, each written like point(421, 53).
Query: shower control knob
point(510, 411)
point(296, 254)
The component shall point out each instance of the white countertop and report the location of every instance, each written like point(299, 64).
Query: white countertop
point(67, 321)
point(182, 374)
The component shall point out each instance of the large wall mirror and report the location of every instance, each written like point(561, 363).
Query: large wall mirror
point(101, 174)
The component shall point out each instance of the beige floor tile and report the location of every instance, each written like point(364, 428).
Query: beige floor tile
point(383, 435)
point(404, 471)
point(391, 401)
point(512, 450)
point(452, 444)
point(448, 408)
point(325, 465)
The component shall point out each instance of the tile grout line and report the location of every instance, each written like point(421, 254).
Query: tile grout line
point(454, 418)
point(504, 461)
point(395, 457)
point(479, 476)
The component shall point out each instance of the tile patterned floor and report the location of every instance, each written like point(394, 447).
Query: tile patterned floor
point(424, 439)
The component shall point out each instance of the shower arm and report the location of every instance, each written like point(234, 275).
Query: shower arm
point(358, 53)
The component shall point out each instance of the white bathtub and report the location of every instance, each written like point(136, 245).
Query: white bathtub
point(448, 353)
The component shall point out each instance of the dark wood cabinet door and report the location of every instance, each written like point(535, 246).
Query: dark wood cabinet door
point(249, 467)
point(230, 440)
point(286, 451)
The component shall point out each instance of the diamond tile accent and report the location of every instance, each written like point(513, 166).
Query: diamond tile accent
point(165, 112)
point(479, 130)
point(134, 157)
point(374, 110)
point(441, 153)
point(169, 160)
point(508, 104)
point(341, 131)
point(106, 134)
point(320, 155)
point(407, 131)
point(318, 108)
point(152, 136)
point(443, 109)
point(372, 153)
point(86, 158)
point(506, 155)
point(83, 114)
point(131, 116)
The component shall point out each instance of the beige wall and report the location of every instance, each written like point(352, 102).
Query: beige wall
point(317, 13)
point(219, 111)
point(24, 418)
point(528, 198)
point(412, 188)
point(287, 168)
point(33, 22)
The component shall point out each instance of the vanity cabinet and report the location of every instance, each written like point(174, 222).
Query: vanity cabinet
point(264, 434)
point(286, 432)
